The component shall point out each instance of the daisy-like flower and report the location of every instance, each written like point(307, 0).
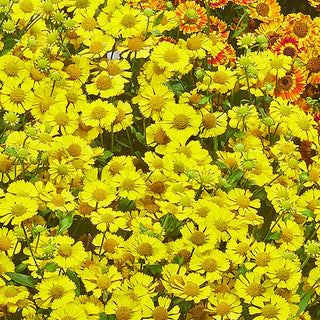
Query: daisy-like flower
point(107, 219)
point(124, 116)
point(153, 100)
point(192, 16)
point(223, 79)
point(239, 199)
point(213, 124)
point(129, 184)
point(62, 201)
point(106, 86)
point(201, 238)
point(136, 47)
point(265, 10)
point(252, 285)
point(98, 114)
point(98, 45)
point(68, 254)
point(291, 86)
point(224, 306)
point(12, 68)
point(123, 307)
point(16, 209)
point(309, 200)
point(303, 126)
point(197, 45)
point(192, 288)
point(11, 295)
point(6, 266)
point(212, 264)
point(99, 282)
point(291, 235)
point(180, 122)
point(9, 242)
point(127, 21)
point(110, 245)
point(162, 310)
point(274, 308)
point(284, 274)
point(55, 291)
point(147, 248)
point(169, 56)
point(16, 95)
point(279, 64)
point(61, 120)
point(70, 311)
point(87, 24)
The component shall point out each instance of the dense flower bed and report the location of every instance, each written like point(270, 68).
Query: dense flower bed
point(159, 160)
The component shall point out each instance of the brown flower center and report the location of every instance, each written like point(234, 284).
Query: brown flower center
point(65, 250)
point(123, 313)
point(194, 43)
point(171, 56)
point(313, 65)
point(145, 249)
point(103, 282)
point(160, 313)
point(285, 83)
point(262, 259)
point(104, 82)
point(180, 121)
point(289, 51)
point(223, 308)
point(254, 289)
point(300, 29)
point(109, 245)
point(73, 71)
point(99, 194)
point(269, 311)
point(135, 44)
point(160, 137)
point(128, 20)
point(18, 210)
point(262, 9)
point(58, 200)
point(158, 187)
point(191, 289)
point(5, 165)
point(17, 95)
point(220, 77)
point(209, 121)
point(5, 243)
point(57, 291)
point(198, 238)
point(209, 265)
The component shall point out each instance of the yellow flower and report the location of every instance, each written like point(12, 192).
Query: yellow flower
point(239, 199)
point(11, 295)
point(98, 113)
point(147, 248)
point(274, 308)
point(127, 21)
point(180, 122)
point(153, 100)
point(16, 95)
point(124, 117)
point(123, 307)
point(213, 124)
point(106, 86)
point(100, 282)
point(212, 264)
point(129, 184)
point(192, 288)
point(6, 265)
point(55, 291)
point(284, 274)
point(70, 311)
point(224, 306)
point(68, 254)
point(16, 209)
point(280, 64)
point(12, 68)
point(108, 219)
point(9, 242)
point(169, 56)
point(161, 310)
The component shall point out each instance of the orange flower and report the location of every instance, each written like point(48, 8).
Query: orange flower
point(288, 46)
point(265, 10)
point(192, 17)
point(291, 86)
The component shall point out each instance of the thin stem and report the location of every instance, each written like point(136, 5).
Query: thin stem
point(29, 246)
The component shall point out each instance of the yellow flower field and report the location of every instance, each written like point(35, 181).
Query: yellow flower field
point(159, 160)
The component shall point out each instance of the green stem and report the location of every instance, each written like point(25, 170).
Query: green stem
point(29, 246)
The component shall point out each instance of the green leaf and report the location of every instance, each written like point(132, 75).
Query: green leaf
point(66, 222)
point(103, 316)
point(8, 45)
point(106, 155)
point(304, 301)
point(73, 277)
point(143, 228)
point(20, 267)
point(12, 151)
point(176, 86)
point(204, 100)
point(274, 235)
point(308, 213)
point(22, 279)
point(158, 19)
point(51, 266)
point(155, 268)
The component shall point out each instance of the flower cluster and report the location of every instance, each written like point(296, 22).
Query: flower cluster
point(159, 160)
